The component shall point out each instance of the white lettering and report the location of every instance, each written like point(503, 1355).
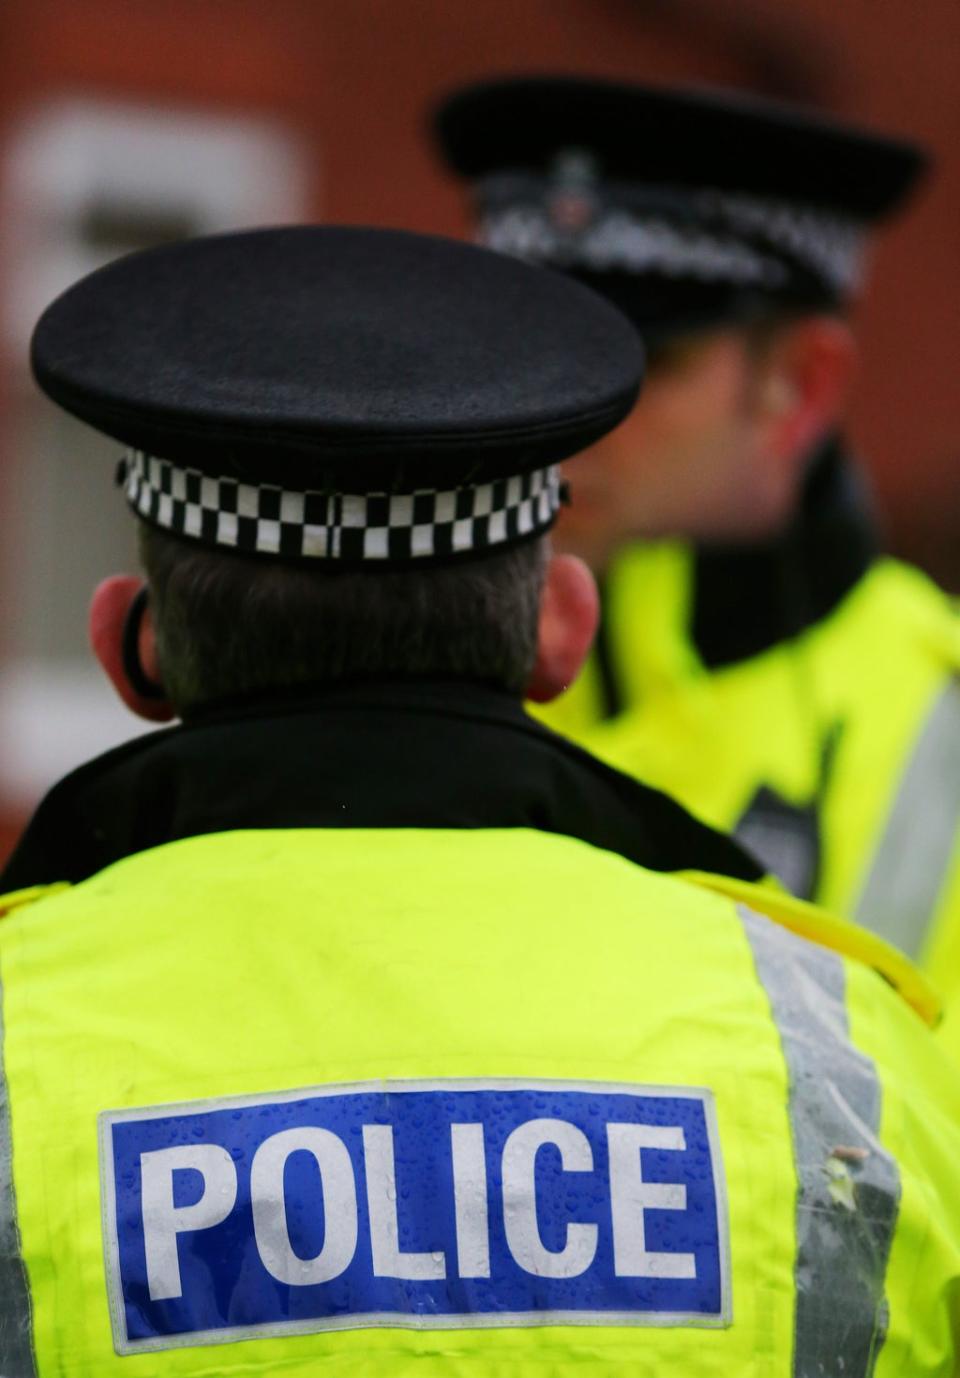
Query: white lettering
point(163, 1222)
point(470, 1200)
point(270, 1208)
point(630, 1196)
point(520, 1199)
point(388, 1260)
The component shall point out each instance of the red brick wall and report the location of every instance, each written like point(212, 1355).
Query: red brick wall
point(356, 76)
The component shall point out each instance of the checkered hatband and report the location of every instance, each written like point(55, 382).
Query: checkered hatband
point(708, 235)
point(352, 527)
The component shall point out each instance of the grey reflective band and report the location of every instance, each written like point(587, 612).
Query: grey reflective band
point(919, 841)
point(710, 235)
point(360, 528)
point(16, 1321)
point(848, 1185)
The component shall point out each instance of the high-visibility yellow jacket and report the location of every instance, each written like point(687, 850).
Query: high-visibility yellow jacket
point(487, 1101)
point(833, 751)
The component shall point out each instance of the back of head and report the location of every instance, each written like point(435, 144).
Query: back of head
point(229, 625)
point(342, 445)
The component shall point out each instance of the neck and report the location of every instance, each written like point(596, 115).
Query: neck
point(749, 597)
point(672, 610)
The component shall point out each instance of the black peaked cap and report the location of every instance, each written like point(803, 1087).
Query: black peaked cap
point(684, 137)
point(339, 358)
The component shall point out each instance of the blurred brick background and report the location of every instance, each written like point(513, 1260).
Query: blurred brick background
point(341, 87)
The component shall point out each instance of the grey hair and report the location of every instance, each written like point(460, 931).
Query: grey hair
point(230, 625)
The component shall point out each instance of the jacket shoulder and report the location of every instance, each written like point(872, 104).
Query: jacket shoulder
point(895, 594)
point(20, 899)
point(817, 925)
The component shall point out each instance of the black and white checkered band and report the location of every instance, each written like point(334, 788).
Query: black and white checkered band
point(709, 235)
point(352, 527)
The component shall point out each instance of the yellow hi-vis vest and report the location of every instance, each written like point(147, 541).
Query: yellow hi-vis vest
point(447, 1102)
point(857, 717)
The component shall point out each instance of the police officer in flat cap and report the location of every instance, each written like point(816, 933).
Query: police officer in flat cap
point(358, 1021)
point(757, 657)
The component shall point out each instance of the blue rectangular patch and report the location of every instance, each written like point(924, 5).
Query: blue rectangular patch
point(426, 1204)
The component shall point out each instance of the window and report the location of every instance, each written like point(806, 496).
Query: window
point(85, 182)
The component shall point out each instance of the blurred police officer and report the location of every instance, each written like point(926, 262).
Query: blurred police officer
point(370, 1030)
point(756, 658)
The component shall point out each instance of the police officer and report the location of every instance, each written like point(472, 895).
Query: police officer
point(757, 658)
point(358, 1021)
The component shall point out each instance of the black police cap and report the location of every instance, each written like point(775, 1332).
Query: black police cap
point(677, 203)
point(690, 137)
point(343, 393)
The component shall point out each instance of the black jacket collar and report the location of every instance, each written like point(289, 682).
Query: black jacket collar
point(405, 755)
point(749, 598)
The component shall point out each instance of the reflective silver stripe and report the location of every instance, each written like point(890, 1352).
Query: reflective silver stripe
point(848, 1185)
point(917, 846)
point(16, 1324)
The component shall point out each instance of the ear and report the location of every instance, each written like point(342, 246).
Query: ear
point(109, 609)
point(803, 386)
point(569, 614)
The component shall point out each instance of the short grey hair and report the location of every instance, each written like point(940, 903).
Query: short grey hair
point(230, 625)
